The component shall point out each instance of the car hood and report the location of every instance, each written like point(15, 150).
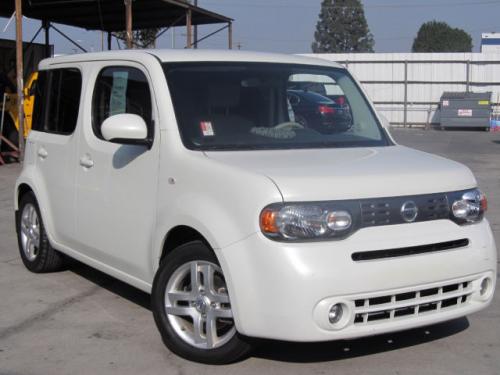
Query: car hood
point(350, 173)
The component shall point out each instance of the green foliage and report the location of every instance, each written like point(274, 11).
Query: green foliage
point(342, 27)
point(437, 36)
point(145, 38)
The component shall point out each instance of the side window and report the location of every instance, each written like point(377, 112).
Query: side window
point(57, 101)
point(121, 89)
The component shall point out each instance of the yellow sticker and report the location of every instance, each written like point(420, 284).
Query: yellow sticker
point(484, 102)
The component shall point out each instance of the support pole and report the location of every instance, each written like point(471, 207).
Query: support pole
point(46, 28)
point(230, 35)
point(405, 109)
point(128, 22)
point(467, 75)
point(195, 31)
point(189, 41)
point(109, 40)
point(19, 74)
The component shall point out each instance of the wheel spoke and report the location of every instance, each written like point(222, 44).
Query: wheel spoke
point(195, 277)
point(181, 311)
point(28, 246)
point(176, 297)
point(25, 228)
point(219, 297)
point(208, 273)
point(211, 330)
point(223, 313)
point(198, 329)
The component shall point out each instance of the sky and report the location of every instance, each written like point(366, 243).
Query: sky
point(288, 25)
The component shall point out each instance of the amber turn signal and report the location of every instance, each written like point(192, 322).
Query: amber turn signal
point(268, 221)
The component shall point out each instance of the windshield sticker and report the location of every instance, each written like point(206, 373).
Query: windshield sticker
point(206, 128)
point(118, 98)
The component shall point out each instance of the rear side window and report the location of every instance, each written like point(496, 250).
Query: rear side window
point(57, 101)
point(121, 89)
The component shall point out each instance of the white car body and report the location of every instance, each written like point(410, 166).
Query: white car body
point(115, 214)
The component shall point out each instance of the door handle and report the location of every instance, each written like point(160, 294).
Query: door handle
point(86, 161)
point(42, 153)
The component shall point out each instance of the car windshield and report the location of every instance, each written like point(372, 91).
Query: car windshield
point(247, 106)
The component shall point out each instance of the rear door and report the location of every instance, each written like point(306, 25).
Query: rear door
point(117, 183)
point(53, 143)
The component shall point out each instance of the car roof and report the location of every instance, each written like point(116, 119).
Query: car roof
point(191, 55)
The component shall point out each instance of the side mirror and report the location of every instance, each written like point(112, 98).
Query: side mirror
point(126, 128)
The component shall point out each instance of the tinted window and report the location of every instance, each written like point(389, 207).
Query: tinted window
point(248, 106)
point(57, 101)
point(121, 90)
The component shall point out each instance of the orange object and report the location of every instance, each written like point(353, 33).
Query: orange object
point(268, 221)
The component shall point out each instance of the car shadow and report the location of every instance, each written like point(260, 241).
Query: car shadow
point(296, 352)
point(496, 141)
point(344, 349)
point(111, 284)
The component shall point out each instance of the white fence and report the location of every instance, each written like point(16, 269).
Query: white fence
point(406, 87)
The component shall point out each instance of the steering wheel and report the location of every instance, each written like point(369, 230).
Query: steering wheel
point(290, 125)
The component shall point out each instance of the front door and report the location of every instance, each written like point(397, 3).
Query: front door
point(117, 183)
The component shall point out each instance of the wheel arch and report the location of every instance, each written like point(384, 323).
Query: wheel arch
point(180, 235)
point(22, 189)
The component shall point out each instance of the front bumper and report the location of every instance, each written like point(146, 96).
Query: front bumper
point(284, 291)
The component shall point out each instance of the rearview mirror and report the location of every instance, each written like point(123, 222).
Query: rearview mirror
point(126, 128)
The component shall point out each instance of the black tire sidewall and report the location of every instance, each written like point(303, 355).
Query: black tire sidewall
point(234, 350)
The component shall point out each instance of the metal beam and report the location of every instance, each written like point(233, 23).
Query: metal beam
point(189, 19)
point(128, 23)
point(230, 35)
point(19, 72)
point(46, 27)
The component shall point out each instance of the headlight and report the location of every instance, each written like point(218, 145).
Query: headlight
point(469, 207)
point(304, 222)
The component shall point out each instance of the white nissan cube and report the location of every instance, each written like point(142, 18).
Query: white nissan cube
point(252, 195)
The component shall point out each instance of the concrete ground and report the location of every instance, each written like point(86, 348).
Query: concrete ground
point(81, 321)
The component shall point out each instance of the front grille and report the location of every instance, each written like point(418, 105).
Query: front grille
point(411, 250)
point(372, 310)
point(386, 211)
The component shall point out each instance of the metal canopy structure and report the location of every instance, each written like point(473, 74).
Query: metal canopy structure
point(120, 15)
point(108, 16)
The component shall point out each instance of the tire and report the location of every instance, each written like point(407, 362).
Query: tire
point(299, 119)
point(36, 253)
point(207, 302)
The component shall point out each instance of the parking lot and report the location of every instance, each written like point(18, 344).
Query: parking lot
point(81, 321)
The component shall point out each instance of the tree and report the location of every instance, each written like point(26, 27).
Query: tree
point(144, 38)
point(342, 27)
point(437, 36)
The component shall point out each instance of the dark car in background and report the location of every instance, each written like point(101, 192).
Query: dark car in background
point(319, 112)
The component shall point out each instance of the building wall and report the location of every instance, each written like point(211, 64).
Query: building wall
point(428, 75)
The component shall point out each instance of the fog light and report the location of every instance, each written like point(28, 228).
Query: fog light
point(485, 286)
point(335, 313)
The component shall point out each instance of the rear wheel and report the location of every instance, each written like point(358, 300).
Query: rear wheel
point(36, 253)
point(191, 307)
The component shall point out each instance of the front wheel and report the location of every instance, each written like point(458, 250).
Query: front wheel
point(191, 307)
